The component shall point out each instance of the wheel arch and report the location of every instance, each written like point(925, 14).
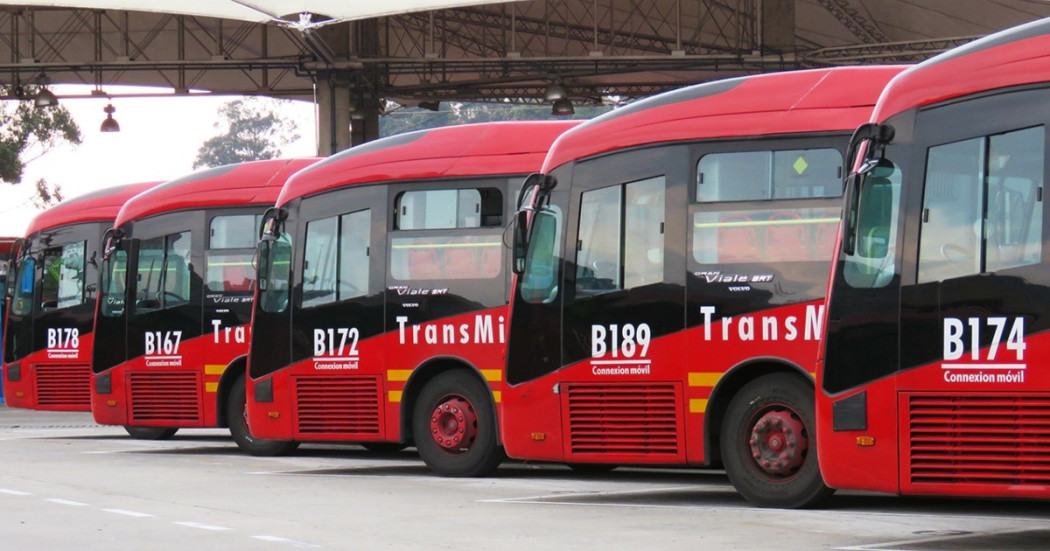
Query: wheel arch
point(237, 368)
point(729, 385)
point(426, 372)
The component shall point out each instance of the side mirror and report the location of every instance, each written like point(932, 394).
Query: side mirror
point(528, 190)
point(111, 242)
point(521, 240)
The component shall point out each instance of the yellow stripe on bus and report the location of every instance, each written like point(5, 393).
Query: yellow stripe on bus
point(398, 374)
point(708, 379)
point(698, 405)
point(394, 396)
point(492, 375)
point(211, 387)
point(214, 369)
point(497, 396)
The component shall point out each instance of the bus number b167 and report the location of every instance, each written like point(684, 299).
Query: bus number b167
point(163, 342)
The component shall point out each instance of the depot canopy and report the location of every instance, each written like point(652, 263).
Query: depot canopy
point(301, 14)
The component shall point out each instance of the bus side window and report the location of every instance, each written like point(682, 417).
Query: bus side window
point(163, 274)
point(336, 261)
point(228, 261)
point(981, 210)
point(464, 248)
point(1015, 211)
point(608, 259)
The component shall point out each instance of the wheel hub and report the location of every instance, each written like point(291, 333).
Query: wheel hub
point(778, 442)
point(454, 424)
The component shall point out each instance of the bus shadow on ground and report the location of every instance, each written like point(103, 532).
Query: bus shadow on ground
point(1019, 540)
point(117, 436)
point(699, 496)
point(956, 506)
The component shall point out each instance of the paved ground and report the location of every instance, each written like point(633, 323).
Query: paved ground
point(66, 483)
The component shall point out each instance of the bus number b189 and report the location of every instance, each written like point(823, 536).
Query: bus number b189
point(623, 341)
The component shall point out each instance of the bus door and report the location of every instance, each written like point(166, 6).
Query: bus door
point(165, 328)
point(977, 306)
point(623, 350)
point(338, 314)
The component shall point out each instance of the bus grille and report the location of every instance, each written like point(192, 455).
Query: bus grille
point(63, 386)
point(165, 396)
point(625, 418)
point(343, 405)
point(987, 439)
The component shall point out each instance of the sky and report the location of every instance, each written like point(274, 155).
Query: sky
point(158, 141)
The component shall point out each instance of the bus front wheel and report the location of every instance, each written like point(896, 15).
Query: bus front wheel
point(237, 419)
point(150, 433)
point(768, 443)
point(454, 426)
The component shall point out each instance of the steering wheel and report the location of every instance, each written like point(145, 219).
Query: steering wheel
point(171, 298)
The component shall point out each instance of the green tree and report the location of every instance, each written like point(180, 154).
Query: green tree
point(251, 129)
point(26, 134)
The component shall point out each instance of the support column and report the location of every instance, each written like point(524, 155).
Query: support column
point(777, 31)
point(347, 104)
point(364, 120)
point(333, 115)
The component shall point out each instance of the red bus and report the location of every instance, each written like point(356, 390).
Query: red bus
point(673, 271)
point(47, 344)
point(933, 379)
point(6, 249)
point(175, 302)
point(383, 295)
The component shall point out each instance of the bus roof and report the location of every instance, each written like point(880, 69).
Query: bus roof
point(1016, 56)
point(254, 182)
point(469, 150)
point(97, 206)
point(818, 100)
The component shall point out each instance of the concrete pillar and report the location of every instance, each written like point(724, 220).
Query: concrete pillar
point(333, 115)
point(364, 120)
point(777, 22)
point(347, 107)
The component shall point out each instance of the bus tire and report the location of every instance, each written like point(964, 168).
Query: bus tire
point(236, 417)
point(150, 433)
point(768, 443)
point(454, 427)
